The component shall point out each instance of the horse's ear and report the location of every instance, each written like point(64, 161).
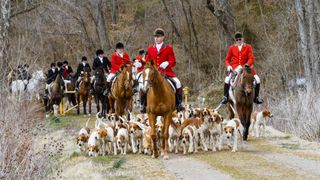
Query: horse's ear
point(122, 66)
point(152, 62)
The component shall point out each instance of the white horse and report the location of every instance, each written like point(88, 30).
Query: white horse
point(17, 88)
point(34, 86)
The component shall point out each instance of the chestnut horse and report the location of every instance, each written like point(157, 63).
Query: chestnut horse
point(120, 97)
point(160, 102)
point(83, 94)
point(242, 99)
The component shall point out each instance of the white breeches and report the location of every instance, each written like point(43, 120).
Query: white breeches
point(177, 81)
point(228, 78)
point(110, 76)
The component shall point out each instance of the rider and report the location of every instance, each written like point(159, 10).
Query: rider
point(25, 72)
point(67, 70)
point(240, 54)
point(138, 64)
point(52, 73)
point(101, 62)
point(117, 59)
point(83, 66)
point(164, 59)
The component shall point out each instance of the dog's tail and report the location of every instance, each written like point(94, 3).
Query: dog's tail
point(98, 120)
point(236, 115)
point(87, 122)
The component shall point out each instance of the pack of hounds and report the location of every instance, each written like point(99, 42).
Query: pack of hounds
point(189, 131)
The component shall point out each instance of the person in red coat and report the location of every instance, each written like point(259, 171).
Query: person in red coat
point(138, 64)
point(117, 59)
point(139, 61)
point(240, 54)
point(163, 56)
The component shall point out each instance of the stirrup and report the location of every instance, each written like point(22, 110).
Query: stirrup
point(143, 109)
point(257, 100)
point(224, 100)
point(180, 107)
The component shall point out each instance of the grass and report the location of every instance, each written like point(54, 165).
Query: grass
point(75, 154)
point(71, 121)
point(118, 163)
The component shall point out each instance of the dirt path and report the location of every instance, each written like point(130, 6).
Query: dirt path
point(276, 156)
point(189, 168)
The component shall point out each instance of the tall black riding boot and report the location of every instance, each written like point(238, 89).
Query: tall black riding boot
point(107, 90)
point(256, 99)
point(225, 94)
point(179, 100)
point(143, 102)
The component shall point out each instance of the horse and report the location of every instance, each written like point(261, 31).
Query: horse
point(17, 88)
point(99, 86)
point(121, 91)
point(84, 94)
point(160, 102)
point(34, 87)
point(56, 95)
point(242, 99)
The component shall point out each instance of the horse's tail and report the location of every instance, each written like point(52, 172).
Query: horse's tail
point(87, 122)
point(236, 115)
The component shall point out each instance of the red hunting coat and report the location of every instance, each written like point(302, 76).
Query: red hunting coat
point(166, 54)
point(139, 58)
point(117, 61)
point(245, 56)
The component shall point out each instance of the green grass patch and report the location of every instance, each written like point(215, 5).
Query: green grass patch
point(72, 121)
point(75, 154)
point(118, 163)
point(104, 159)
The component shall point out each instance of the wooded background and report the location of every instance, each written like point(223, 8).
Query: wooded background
point(284, 35)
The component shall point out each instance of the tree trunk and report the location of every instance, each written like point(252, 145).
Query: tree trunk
point(4, 42)
point(222, 10)
point(114, 11)
point(303, 40)
point(313, 35)
point(101, 26)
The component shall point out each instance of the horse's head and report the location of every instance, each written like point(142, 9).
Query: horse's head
point(149, 74)
point(86, 77)
point(126, 76)
point(99, 76)
point(38, 75)
point(246, 81)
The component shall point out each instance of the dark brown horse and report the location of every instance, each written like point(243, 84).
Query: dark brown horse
point(84, 94)
point(120, 97)
point(243, 94)
point(99, 86)
point(160, 102)
point(56, 90)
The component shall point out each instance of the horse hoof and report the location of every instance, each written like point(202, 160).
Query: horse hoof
point(47, 115)
point(165, 157)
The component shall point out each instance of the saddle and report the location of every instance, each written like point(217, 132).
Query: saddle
point(172, 83)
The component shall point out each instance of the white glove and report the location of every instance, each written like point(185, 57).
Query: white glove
point(82, 72)
point(137, 64)
point(238, 69)
point(229, 68)
point(164, 65)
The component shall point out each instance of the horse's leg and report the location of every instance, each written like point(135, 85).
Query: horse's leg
point(165, 148)
point(78, 107)
point(97, 103)
point(84, 100)
point(103, 102)
point(247, 123)
point(89, 101)
point(152, 123)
